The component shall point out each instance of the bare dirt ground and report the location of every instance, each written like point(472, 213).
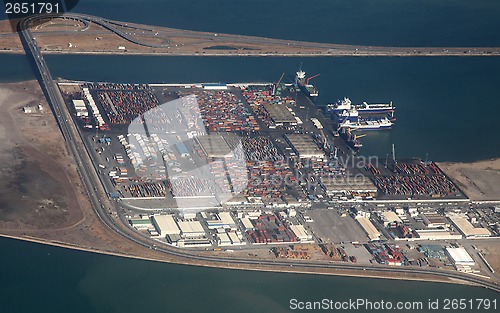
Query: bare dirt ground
point(479, 180)
point(41, 195)
point(491, 253)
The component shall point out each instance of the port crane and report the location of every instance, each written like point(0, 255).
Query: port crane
point(312, 77)
point(278, 83)
point(359, 136)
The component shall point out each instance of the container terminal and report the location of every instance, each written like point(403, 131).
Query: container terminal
point(283, 136)
point(299, 176)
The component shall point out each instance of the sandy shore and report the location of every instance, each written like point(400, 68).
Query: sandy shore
point(479, 180)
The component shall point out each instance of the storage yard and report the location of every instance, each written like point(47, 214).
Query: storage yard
point(254, 139)
point(412, 179)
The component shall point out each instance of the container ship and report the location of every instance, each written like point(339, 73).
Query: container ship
point(303, 83)
point(376, 124)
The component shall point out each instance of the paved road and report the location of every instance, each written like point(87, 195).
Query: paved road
point(97, 194)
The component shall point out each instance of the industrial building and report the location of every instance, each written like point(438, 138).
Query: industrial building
point(467, 229)
point(459, 256)
point(214, 146)
point(436, 234)
point(304, 146)
point(370, 230)
point(223, 239)
point(166, 225)
point(191, 229)
point(29, 110)
point(247, 224)
point(434, 220)
point(300, 233)
point(389, 217)
point(223, 220)
point(80, 108)
point(144, 223)
point(234, 238)
point(214, 86)
point(280, 114)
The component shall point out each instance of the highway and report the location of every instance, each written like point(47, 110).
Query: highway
point(98, 198)
point(137, 33)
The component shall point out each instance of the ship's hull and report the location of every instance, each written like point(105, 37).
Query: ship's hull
point(367, 127)
point(309, 91)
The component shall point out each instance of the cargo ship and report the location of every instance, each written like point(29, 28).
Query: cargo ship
point(350, 117)
point(303, 83)
point(386, 109)
point(376, 124)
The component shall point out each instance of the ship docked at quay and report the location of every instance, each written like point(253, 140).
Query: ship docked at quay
point(304, 84)
point(351, 118)
point(363, 116)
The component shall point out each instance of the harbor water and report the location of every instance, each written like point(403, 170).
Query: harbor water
point(61, 280)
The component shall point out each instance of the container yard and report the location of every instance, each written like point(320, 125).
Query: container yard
point(223, 111)
point(388, 254)
point(412, 179)
point(270, 107)
point(271, 229)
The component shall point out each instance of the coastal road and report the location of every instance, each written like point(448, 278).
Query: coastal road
point(98, 197)
point(137, 33)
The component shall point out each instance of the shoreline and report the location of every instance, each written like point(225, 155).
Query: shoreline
point(63, 245)
point(238, 54)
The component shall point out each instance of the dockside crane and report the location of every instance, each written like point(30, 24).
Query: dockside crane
point(312, 77)
point(276, 86)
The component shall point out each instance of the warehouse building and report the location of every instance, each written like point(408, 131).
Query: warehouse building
point(434, 220)
point(389, 217)
point(459, 256)
point(436, 234)
point(141, 223)
point(166, 225)
point(214, 86)
point(222, 220)
point(370, 230)
point(223, 239)
point(280, 114)
point(304, 146)
point(300, 232)
point(467, 229)
point(247, 224)
point(234, 238)
point(191, 229)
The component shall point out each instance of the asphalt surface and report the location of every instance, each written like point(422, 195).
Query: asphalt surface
point(97, 194)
